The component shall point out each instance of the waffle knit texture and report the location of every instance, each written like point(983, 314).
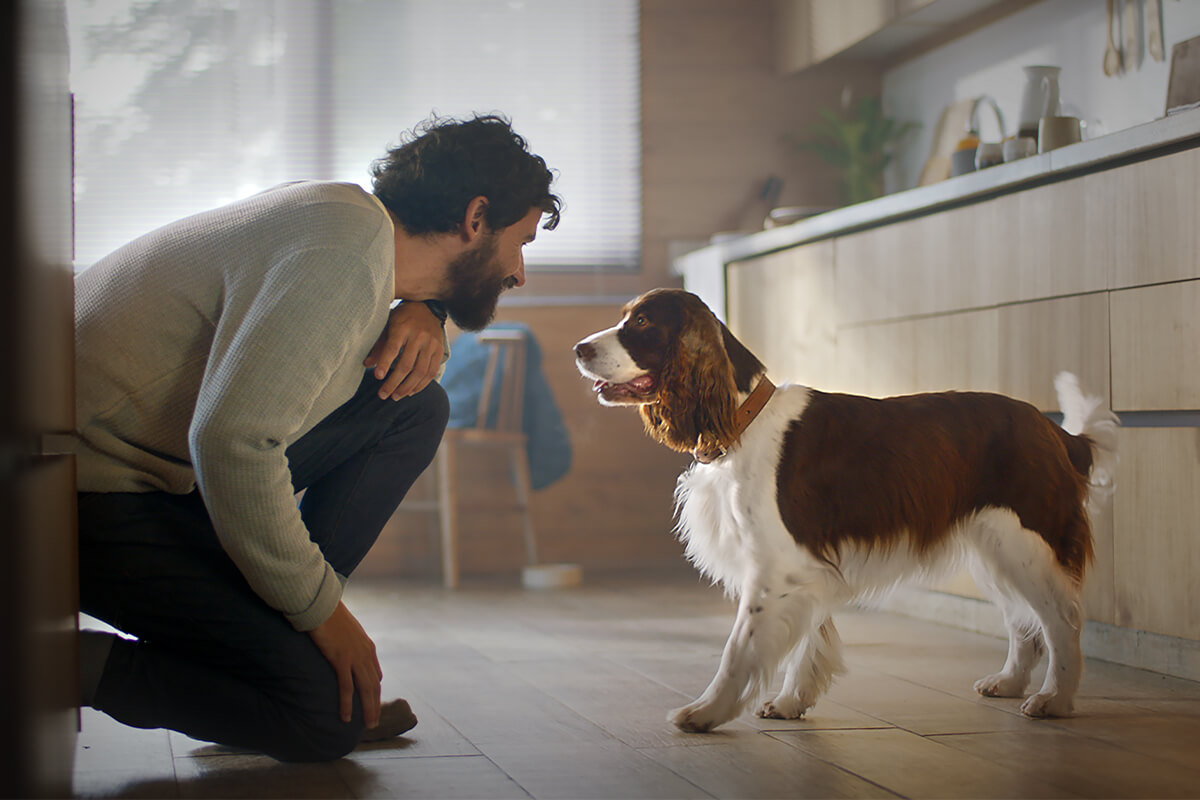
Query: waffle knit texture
point(206, 347)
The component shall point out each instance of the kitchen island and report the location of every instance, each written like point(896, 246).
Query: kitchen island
point(1084, 259)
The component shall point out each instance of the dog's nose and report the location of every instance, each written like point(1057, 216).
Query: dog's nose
point(585, 351)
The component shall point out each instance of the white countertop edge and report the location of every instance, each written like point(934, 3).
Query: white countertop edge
point(1159, 133)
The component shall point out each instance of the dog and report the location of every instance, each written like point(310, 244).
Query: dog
point(801, 501)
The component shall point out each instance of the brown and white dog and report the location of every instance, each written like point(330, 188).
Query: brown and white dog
point(801, 501)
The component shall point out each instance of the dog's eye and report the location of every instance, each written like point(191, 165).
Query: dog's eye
point(641, 321)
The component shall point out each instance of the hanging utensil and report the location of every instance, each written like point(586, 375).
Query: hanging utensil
point(1112, 56)
point(1154, 32)
point(1133, 40)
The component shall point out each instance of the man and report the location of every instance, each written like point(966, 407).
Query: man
point(220, 370)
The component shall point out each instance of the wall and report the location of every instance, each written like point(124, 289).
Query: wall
point(1067, 33)
point(714, 115)
point(613, 509)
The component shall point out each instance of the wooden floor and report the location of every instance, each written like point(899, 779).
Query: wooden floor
point(564, 694)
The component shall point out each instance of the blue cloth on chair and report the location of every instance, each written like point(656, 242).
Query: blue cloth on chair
point(549, 445)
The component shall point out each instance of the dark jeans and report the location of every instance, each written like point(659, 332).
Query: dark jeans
point(212, 660)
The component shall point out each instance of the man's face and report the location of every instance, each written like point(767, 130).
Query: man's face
point(476, 277)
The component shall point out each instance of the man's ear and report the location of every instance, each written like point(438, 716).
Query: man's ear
point(474, 222)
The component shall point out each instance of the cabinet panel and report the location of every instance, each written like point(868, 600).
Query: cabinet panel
point(1046, 243)
point(1155, 342)
point(877, 360)
point(1142, 220)
point(903, 269)
point(1025, 246)
point(957, 351)
point(1038, 340)
point(781, 306)
point(1156, 541)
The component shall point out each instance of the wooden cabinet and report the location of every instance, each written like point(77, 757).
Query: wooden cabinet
point(1156, 545)
point(1097, 274)
point(782, 306)
point(1143, 221)
point(1156, 347)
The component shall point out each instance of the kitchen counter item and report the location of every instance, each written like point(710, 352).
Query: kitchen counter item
point(989, 154)
point(786, 215)
point(1183, 87)
point(1056, 132)
point(1039, 98)
point(1154, 32)
point(1112, 55)
point(955, 119)
point(1133, 36)
point(1019, 147)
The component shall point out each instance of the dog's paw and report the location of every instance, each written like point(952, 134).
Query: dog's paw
point(1044, 704)
point(1000, 685)
point(695, 718)
point(784, 708)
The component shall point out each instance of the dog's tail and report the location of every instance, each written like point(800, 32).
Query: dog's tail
point(1085, 416)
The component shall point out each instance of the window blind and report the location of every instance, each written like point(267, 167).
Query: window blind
point(182, 105)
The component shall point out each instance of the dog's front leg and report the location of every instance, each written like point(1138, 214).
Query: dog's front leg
point(765, 630)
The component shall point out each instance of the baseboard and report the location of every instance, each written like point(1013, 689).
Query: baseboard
point(1168, 655)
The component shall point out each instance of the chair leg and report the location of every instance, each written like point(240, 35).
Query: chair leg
point(448, 507)
point(521, 480)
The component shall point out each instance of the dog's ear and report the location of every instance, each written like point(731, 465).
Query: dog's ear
point(697, 393)
point(746, 366)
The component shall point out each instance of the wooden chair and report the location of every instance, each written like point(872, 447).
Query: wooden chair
point(506, 354)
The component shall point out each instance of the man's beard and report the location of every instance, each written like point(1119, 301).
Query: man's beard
point(475, 286)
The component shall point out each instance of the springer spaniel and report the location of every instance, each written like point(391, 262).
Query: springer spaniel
point(801, 501)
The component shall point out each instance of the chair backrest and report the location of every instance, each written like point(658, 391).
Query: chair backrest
point(506, 353)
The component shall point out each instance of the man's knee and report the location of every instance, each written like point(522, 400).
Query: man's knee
point(431, 412)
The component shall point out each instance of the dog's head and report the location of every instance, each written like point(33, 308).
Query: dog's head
point(670, 356)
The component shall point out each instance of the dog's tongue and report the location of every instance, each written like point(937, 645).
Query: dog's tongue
point(642, 383)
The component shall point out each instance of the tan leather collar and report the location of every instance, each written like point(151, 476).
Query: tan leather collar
point(745, 414)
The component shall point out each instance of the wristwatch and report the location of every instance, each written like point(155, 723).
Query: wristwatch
point(438, 309)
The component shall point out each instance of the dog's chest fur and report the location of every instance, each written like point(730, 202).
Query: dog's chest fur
point(728, 510)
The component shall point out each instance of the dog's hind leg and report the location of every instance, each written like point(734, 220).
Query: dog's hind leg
point(767, 627)
point(1022, 563)
point(809, 671)
point(1024, 636)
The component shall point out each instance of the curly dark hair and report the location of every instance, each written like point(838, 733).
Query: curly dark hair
point(443, 163)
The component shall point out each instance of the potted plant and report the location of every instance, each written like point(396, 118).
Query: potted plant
point(858, 142)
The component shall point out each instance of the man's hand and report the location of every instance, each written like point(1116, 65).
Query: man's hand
point(347, 647)
point(411, 347)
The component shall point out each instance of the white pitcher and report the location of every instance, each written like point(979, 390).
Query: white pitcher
point(1039, 98)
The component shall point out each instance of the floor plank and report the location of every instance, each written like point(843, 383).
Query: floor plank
point(915, 766)
point(1080, 764)
point(563, 694)
point(754, 765)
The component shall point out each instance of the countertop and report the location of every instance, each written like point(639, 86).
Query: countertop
point(703, 269)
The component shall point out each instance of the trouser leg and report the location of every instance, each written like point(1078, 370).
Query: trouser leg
point(357, 464)
point(212, 660)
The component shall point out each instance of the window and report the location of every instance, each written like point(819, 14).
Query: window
point(182, 105)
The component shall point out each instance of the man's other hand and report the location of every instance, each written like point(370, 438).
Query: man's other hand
point(347, 647)
point(411, 347)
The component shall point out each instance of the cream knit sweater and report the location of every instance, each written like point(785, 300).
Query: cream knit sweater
point(206, 347)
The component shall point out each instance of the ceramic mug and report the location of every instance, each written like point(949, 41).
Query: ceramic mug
point(988, 154)
point(1020, 147)
point(1055, 132)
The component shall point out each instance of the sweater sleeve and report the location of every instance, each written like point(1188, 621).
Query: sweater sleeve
point(273, 352)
